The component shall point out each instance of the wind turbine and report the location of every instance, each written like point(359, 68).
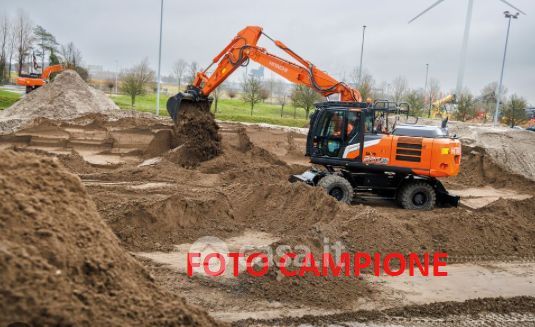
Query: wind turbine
point(467, 24)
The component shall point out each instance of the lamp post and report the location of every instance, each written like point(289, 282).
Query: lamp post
point(159, 62)
point(361, 52)
point(116, 73)
point(508, 16)
point(425, 87)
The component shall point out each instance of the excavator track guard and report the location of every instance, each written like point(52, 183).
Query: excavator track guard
point(191, 98)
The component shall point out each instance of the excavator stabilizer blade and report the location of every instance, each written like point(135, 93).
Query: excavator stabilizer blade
point(178, 103)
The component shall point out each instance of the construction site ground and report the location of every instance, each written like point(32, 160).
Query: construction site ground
point(151, 209)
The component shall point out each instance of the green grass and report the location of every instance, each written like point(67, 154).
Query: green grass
point(227, 109)
point(7, 99)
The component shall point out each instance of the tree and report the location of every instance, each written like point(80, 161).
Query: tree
point(264, 93)
point(432, 94)
point(281, 94)
point(193, 68)
point(179, 68)
point(400, 87)
point(11, 50)
point(465, 106)
point(304, 97)
point(23, 37)
point(217, 94)
point(71, 55)
point(488, 99)
point(251, 88)
point(416, 101)
point(514, 112)
point(231, 92)
point(45, 41)
point(5, 31)
point(110, 84)
point(364, 84)
point(135, 80)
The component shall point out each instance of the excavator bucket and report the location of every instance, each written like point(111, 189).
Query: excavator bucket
point(189, 99)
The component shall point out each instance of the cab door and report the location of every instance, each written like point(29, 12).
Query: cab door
point(329, 133)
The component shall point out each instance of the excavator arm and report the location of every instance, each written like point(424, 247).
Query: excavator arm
point(238, 52)
point(50, 70)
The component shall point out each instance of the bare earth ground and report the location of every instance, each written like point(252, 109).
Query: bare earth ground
point(158, 208)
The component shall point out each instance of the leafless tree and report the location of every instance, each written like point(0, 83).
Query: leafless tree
point(304, 97)
point(136, 80)
point(252, 89)
point(433, 93)
point(193, 68)
point(5, 31)
point(24, 37)
point(179, 68)
point(216, 94)
point(280, 89)
point(231, 92)
point(11, 49)
point(72, 57)
point(400, 85)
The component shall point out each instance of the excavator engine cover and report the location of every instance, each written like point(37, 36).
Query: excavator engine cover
point(189, 99)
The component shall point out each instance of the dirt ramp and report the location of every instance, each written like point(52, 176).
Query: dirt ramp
point(197, 137)
point(60, 264)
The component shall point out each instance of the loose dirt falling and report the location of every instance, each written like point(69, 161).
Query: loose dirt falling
point(197, 137)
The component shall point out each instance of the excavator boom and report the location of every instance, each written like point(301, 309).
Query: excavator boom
point(242, 48)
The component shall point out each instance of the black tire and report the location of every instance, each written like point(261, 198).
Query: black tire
point(337, 187)
point(417, 196)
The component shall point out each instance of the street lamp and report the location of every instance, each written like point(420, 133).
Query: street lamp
point(361, 52)
point(159, 62)
point(508, 16)
point(425, 87)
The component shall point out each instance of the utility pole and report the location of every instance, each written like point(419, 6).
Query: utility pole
point(116, 73)
point(159, 62)
point(426, 76)
point(508, 16)
point(361, 53)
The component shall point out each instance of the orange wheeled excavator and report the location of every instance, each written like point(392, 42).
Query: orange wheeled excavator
point(33, 81)
point(363, 151)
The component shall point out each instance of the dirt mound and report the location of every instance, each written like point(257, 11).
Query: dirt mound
point(60, 264)
point(68, 96)
point(197, 138)
point(479, 168)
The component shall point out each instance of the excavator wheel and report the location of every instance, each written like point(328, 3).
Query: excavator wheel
point(417, 196)
point(337, 187)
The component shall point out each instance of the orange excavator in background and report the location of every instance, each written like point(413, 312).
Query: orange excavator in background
point(34, 80)
point(365, 153)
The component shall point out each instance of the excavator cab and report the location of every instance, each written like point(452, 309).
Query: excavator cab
point(398, 161)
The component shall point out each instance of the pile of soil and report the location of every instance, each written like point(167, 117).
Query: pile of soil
point(479, 168)
point(68, 96)
point(60, 264)
point(246, 188)
point(197, 137)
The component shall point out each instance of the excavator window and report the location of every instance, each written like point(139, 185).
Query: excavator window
point(332, 132)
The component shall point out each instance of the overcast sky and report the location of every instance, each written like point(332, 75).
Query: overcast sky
point(328, 33)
